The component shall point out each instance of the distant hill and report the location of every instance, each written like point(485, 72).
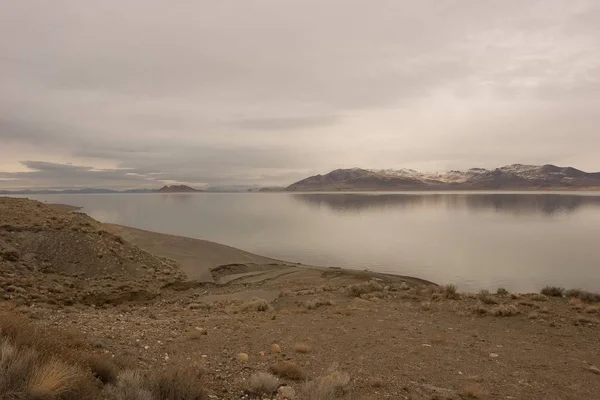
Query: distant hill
point(516, 176)
point(177, 189)
point(74, 191)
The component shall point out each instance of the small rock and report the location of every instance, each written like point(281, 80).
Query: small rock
point(275, 348)
point(595, 369)
point(286, 392)
point(494, 355)
point(262, 353)
point(242, 357)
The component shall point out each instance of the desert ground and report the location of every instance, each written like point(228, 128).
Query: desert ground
point(139, 315)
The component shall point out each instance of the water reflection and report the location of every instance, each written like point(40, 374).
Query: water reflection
point(518, 204)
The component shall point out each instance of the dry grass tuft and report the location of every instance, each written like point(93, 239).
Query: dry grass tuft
point(130, 385)
point(178, 385)
point(450, 292)
point(55, 379)
point(486, 297)
point(288, 370)
point(302, 348)
point(473, 390)
point(358, 289)
point(314, 304)
point(515, 296)
point(258, 305)
point(538, 297)
point(263, 383)
point(553, 291)
point(505, 310)
point(585, 296)
point(502, 292)
point(329, 387)
point(103, 369)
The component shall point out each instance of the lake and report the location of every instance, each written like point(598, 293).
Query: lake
point(521, 241)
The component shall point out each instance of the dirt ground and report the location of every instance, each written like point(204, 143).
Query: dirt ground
point(394, 337)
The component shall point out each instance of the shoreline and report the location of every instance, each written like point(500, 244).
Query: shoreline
point(200, 258)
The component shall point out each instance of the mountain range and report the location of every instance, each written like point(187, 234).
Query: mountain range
point(515, 176)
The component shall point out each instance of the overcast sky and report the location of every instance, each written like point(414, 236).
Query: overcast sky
point(136, 93)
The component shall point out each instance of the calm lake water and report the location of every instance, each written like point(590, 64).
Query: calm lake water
point(521, 241)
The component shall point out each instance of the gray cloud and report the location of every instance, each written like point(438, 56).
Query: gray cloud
point(269, 91)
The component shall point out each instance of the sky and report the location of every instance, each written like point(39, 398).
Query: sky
point(139, 93)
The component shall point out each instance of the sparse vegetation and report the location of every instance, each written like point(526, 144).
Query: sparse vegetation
point(505, 310)
point(538, 297)
point(359, 289)
point(178, 384)
point(450, 292)
point(486, 297)
point(553, 291)
point(585, 296)
point(502, 292)
point(288, 370)
point(332, 386)
point(103, 369)
point(480, 310)
point(316, 303)
point(263, 383)
point(258, 305)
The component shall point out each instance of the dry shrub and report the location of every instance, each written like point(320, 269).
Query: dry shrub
point(450, 292)
point(426, 306)
point(178, 384)
point(130, 386)
point(259, 305)
point(502, 292)
point(302, 348)
point(515, 296)
point(486, 297)
point(263, 383)
point(473, 390)
point(505, 310)
point(576, 304)
point(103, 368)
point(314, 304)
point(538, 297)
point(583, 295)
point(55, 379)
point(358, 289)
point(553, 291)
point(332, 386)
point(480, 310)
point(526, 303)
point(288, 370)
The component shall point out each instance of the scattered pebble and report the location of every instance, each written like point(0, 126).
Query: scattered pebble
point(595, 369)
point(275, 348)
point(243, 357)
point(494, 355)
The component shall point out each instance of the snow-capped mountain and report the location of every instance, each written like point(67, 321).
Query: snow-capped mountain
point(515, 176)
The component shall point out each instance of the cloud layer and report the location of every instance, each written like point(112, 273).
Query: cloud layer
point(136, 93)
